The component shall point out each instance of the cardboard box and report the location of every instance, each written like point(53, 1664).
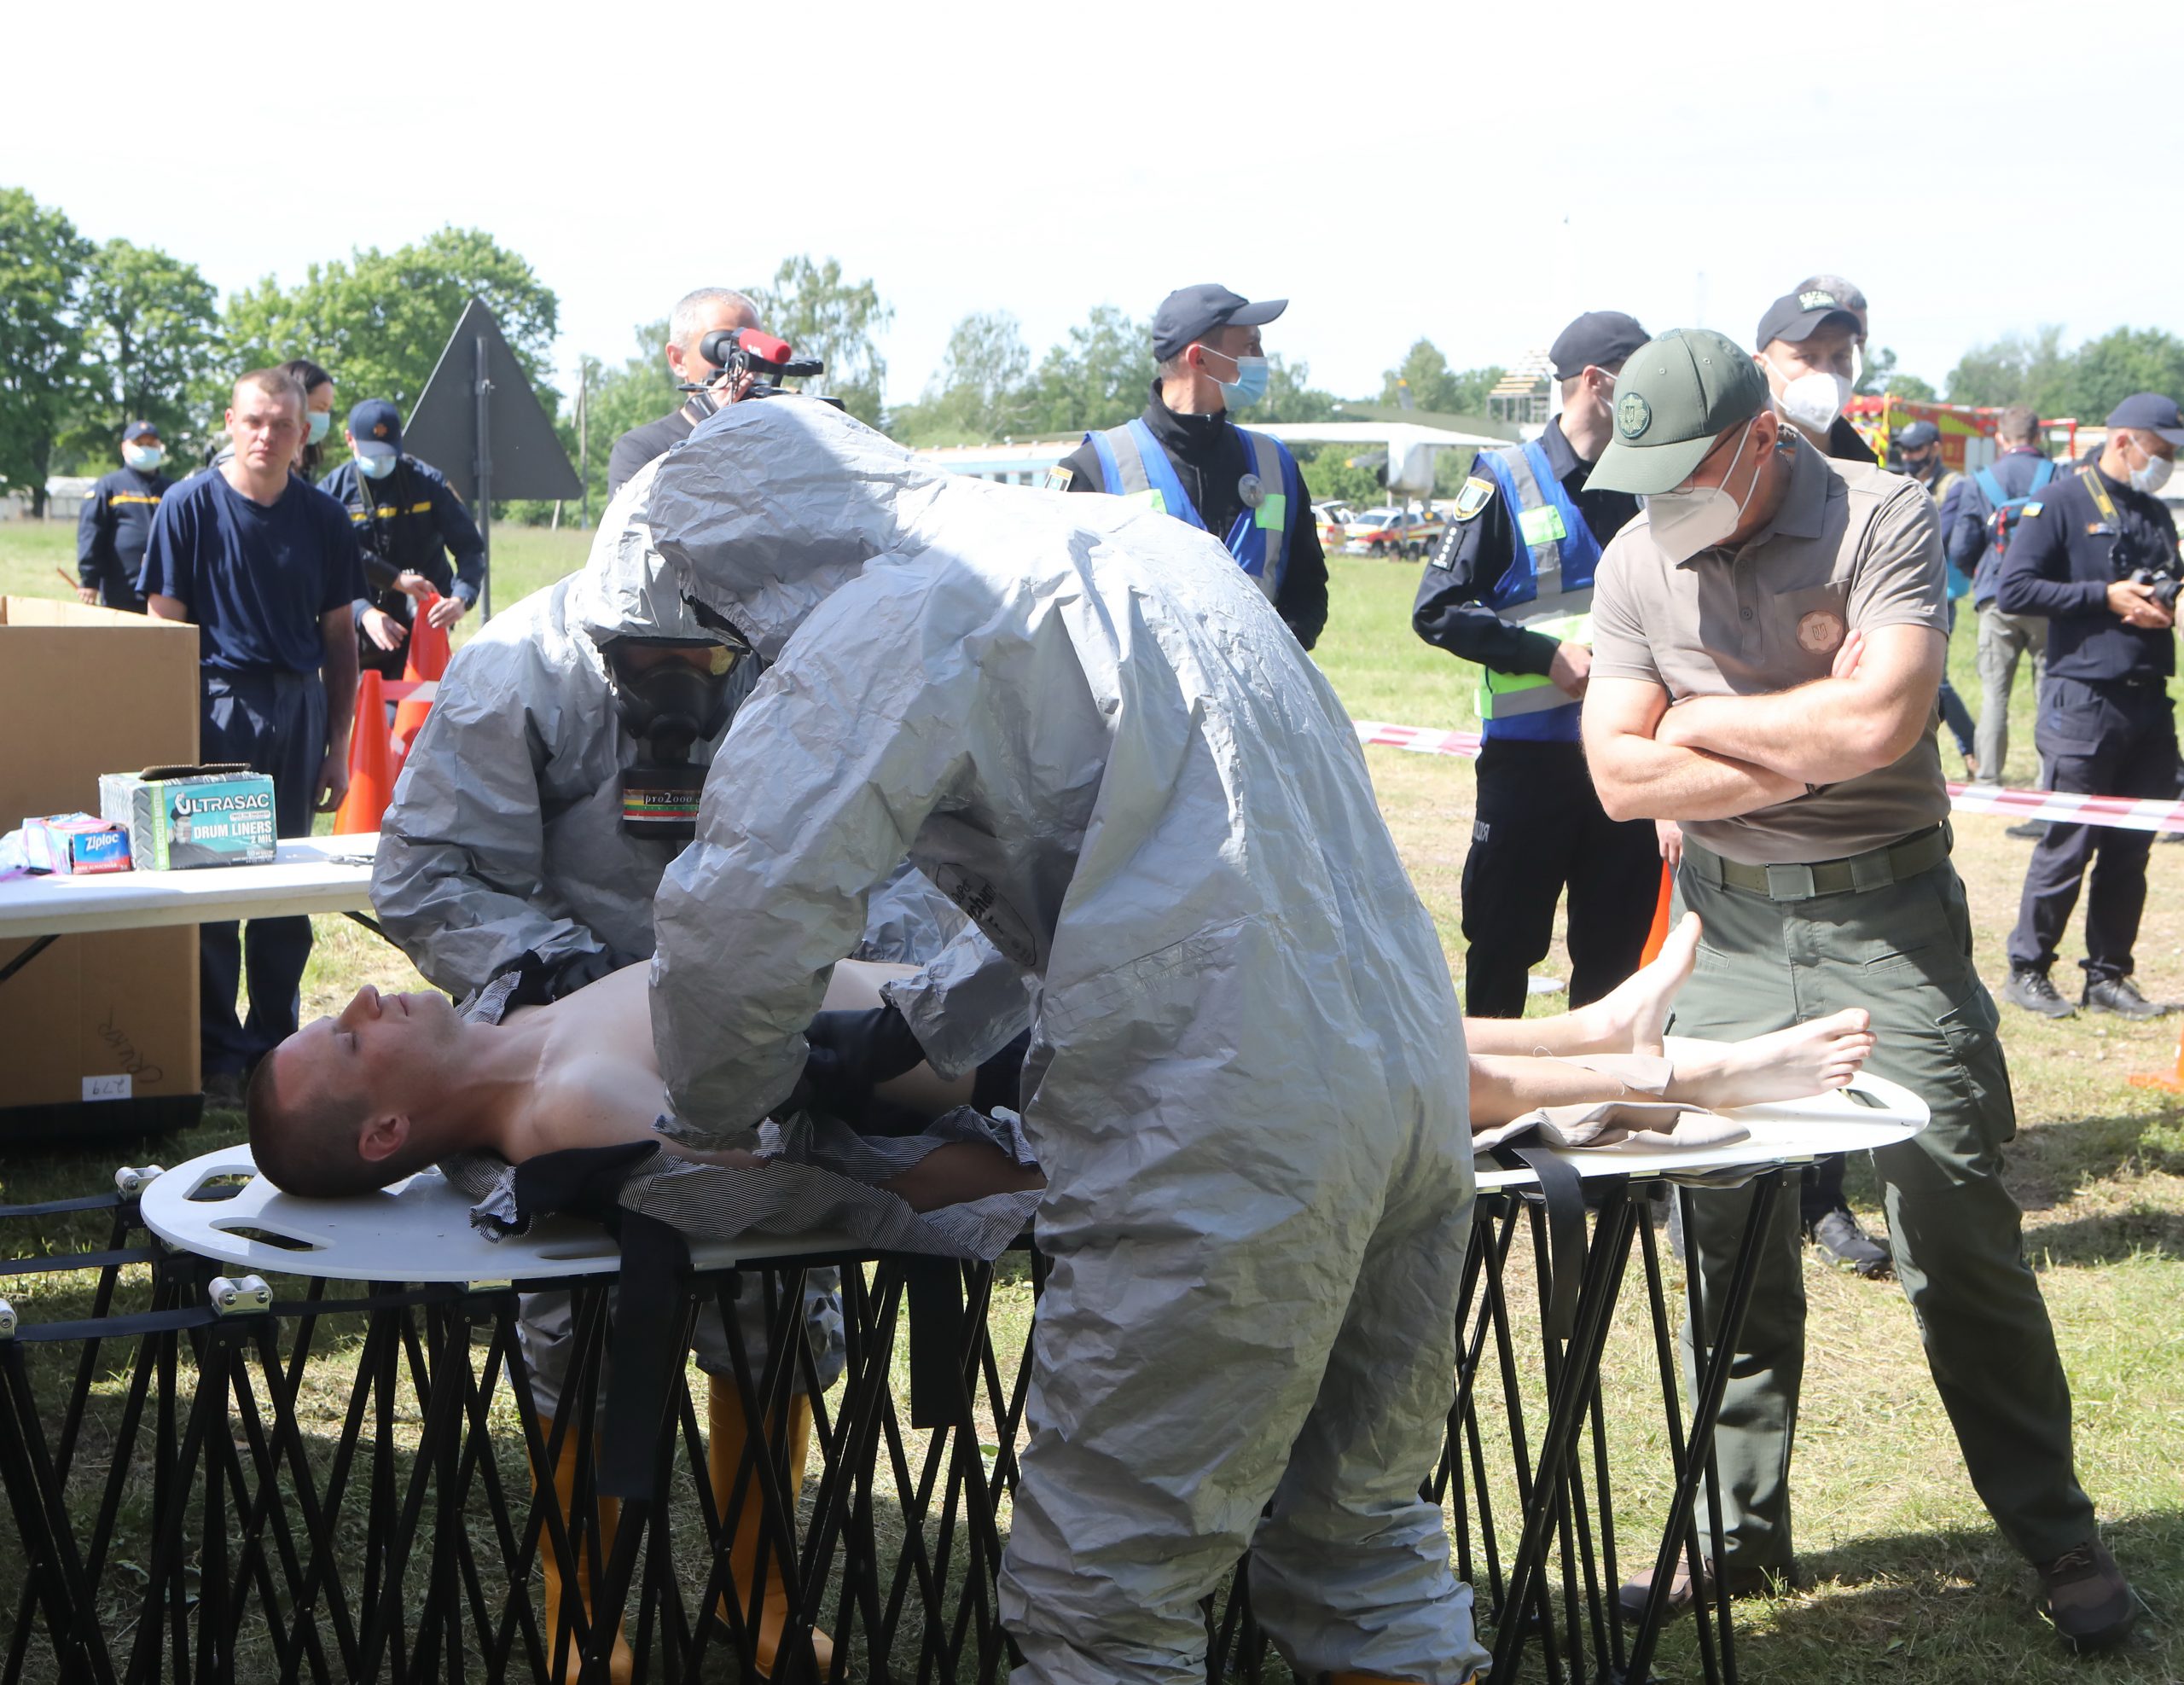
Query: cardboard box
point(182, 816)
point(84, 691)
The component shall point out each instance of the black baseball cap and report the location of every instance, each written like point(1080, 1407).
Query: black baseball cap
point(1919, 435)
point(137, 430)
point(1190, 313)
point(1674, 397)
point(1795, 317)
point(1599, 337)
point(2150, 412)
point(376, 425)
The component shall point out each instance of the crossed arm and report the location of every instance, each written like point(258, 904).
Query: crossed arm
point(1716, 757)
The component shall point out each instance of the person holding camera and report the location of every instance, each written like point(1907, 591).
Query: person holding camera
point(407, 519)
point(705, 311)
point(2097, 555)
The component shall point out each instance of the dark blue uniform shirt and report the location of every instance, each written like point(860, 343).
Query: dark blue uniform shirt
point(255, 579)
point(408, 523)
point(112, 530)
point(2062, 558)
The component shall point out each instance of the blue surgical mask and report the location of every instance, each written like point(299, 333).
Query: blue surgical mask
point(375, 467)
point(318, 420)
point(144, 457)
point(1250, 385)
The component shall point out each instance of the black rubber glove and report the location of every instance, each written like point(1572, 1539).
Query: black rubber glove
point(852, 1052)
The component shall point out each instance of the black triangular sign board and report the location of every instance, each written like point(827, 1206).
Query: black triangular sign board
point(527, 460)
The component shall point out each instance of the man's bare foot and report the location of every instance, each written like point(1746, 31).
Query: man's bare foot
point(1805, 1059)
point(1633, 1016)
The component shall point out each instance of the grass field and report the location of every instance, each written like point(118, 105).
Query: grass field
point(1909, 1580)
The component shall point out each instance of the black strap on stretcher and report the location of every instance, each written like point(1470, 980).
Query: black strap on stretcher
point(646, 1342)
point(1562, 1192)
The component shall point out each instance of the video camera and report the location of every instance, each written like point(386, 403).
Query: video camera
point(744, 353)
point(2164, 573)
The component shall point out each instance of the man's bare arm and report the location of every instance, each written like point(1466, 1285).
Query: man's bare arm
point(1640, 778)
point(1836, 728)
point(167, 608)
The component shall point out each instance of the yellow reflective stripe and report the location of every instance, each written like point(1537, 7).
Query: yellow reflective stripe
point(425, 507)
point(130, 497)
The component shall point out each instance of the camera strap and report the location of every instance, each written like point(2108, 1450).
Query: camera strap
point(2102, 500)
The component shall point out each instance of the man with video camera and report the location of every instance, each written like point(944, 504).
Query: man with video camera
point(2097, 555)
point(705, 311)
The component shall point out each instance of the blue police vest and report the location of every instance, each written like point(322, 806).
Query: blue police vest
point(1133, 465)
point(1548, 585)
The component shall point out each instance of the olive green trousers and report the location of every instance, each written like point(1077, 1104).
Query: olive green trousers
point(1903, 952)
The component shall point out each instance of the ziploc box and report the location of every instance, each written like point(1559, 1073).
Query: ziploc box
point(182, 816)
point(76, 844)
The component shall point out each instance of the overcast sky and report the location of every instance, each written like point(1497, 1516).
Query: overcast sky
point(1475, 174)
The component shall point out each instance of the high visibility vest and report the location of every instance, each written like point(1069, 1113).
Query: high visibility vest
point(1548, 588)
point(1133, 465)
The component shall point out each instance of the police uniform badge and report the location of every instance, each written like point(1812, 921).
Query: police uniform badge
point(1820, 631)
point(1632, 415)
point(1475, 496)
point(1249, 490)
point(1058, 478)
point(1813, 299)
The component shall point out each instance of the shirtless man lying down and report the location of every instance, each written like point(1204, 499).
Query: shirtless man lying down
point(396, 1083)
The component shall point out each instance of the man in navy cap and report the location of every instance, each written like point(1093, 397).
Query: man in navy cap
point(407, 518)
point(1809, 343)
point(1184, 455)
point(2097, 554)
point(1511, 586)
point(116, 521)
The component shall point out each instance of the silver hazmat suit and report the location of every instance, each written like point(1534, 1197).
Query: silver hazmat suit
point(1247, 1076)
point(505, 836)
point(505, 833)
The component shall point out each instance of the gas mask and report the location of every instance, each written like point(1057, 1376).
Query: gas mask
point(669, 706)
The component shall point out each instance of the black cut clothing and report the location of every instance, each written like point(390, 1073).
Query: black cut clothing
point(1539, 827)
point(2064, 554)
point(640, 444)
point(1475, 553)
point(111, 530)
point(1210, 459)
point(1969, 535)
point(2111, 740)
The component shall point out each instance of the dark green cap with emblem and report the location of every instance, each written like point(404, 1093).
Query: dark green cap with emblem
point(1674, 398)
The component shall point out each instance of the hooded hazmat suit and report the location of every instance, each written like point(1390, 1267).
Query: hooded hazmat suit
point(505, 835)
point(1246, 1082)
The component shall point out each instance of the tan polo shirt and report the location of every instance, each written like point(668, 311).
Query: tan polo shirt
point(1852, 545)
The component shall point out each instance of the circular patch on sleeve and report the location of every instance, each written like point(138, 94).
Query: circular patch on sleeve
point(1632, 415)
point(1820, 631)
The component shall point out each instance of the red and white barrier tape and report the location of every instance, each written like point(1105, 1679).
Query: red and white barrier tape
point(2123, 811)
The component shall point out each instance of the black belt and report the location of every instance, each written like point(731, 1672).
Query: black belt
point(1876, 868)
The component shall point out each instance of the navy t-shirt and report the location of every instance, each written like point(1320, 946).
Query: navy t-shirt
point(255, 579)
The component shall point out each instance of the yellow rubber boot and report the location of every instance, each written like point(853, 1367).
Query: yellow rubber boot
point(622, 1665)
point(729, 1430)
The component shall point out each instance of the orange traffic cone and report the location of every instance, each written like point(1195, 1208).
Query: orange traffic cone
point(426, 663)
point(428, 647)
point(371, 778)
point(2168, 1084)
point(1659, 933)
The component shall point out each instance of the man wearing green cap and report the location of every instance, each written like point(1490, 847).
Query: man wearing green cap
point(1768, 649)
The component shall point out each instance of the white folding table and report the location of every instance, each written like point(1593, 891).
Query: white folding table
point(309, 874)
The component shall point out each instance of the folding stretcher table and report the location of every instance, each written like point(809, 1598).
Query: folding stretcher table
point(433, 1577)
